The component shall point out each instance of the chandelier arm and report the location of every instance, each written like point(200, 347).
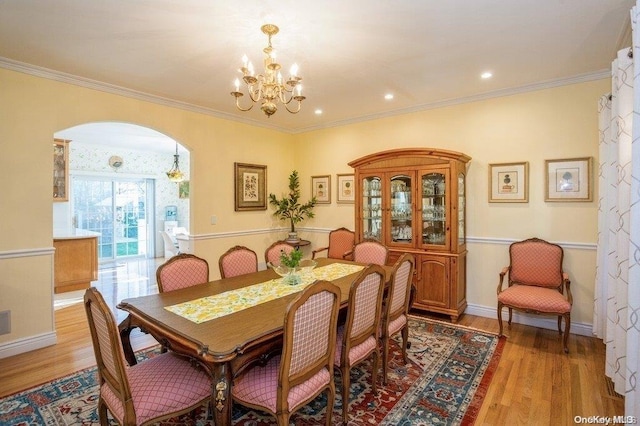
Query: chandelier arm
point(243, 109)
point(291, 111)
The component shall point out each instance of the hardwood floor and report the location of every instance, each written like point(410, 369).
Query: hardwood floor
point(535, 382)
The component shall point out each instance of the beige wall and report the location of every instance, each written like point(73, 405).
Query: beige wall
point(553, 123)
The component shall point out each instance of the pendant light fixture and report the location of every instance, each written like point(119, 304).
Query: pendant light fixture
point(175, 175)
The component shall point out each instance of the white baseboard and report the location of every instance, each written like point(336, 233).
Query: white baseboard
point(28, 344)
point(549, 323)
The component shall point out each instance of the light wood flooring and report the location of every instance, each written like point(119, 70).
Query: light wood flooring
point(535, 382)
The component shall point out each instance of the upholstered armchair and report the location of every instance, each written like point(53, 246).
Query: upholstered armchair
point(341, 242)
point(536, 283)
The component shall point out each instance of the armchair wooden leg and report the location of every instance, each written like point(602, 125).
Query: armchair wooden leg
point(500, 318)
point(560, 324)
point(510, 317)
point(567, 327)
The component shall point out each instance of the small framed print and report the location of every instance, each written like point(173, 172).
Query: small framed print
point(250, 187)
point(183, 189)
point(509, 183)
point(346, 190)
point(568, 179)
point(321, 189)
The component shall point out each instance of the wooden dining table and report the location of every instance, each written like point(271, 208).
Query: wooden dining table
point(223, 345)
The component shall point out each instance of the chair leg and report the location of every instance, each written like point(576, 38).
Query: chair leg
point(102, 413)
point(385, 358)
point(346, 387)
point(567, 326)
point(560, 324)
point(374, 371)
point(510, 316)
point(500, 318)
point(331, 396)
point(405, 343)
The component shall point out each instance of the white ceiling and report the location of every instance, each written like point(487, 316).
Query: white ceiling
point(428, 53)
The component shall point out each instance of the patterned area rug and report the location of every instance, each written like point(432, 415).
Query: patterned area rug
point(444, 383)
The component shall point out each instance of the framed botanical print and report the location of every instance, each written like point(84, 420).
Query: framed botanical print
point(346, 190)
point(183, 189)
point(509, 182)
point(568, 179)
point(321, 189)
point(250, 187)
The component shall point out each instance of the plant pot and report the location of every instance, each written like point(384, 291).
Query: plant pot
point(293, 237)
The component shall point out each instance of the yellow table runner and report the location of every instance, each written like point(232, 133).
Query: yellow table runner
point(219, 305)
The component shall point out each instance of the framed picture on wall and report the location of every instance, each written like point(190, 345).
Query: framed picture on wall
point(346, 193)
point(183, 189)
point(568, 179)
point(509, 182)
point(321, 189)
point(250, 187)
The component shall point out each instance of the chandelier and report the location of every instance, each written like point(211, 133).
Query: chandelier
point(175, 175)
point(270, 87)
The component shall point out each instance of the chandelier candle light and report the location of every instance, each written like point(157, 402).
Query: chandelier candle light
point(269, 87)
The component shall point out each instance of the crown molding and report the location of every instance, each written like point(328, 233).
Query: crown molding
point(37, 71)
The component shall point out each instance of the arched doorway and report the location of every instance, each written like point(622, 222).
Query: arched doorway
point(119, 187)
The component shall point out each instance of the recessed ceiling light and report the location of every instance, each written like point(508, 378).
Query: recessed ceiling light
point(318, 111)
point(486, 75)
point(388, 96)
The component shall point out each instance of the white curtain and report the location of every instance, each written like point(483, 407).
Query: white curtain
point(617, 290)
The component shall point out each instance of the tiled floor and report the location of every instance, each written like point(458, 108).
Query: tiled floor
point(117, 281)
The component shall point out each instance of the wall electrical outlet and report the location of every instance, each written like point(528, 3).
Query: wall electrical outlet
point(214, 219)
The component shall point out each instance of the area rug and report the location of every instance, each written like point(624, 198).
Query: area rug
point(444, 383)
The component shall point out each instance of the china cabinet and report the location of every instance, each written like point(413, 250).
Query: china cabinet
point(413, 200)
point(60, 170)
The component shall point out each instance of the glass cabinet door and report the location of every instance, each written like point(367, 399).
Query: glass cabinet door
point(434, 211)
point(371, 214)
point(401, 230)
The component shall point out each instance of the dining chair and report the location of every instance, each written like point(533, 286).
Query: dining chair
point(272, 253)
point(181, 271)
point(169, 246)
point(369, 251)
point(537, 283)
point(341, 241)
point(396, 309)
point(304, 369)
point(162, 387)
point(357, 339)
point(238, 260)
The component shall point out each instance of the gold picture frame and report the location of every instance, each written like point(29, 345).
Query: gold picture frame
point(250, 187)
point(321, 189)
point(568, 180)
point(509, 182)
point(346, 188)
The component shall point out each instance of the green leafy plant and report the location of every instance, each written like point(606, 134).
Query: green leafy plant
point(289, 207)
point(292, 260)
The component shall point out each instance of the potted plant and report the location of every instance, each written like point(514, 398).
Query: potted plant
point(289, 207)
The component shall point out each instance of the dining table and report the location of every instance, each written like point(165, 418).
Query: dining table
point(227, 324)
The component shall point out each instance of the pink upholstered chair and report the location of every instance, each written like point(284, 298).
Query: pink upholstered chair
point(357, 339)
point(160, 388)
point(305, 368)
point(536, 283)
point(238, 260)
point(369, 251)
point(272, 253)
point(183, 270)
point(341, 241)
point(396, 309)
